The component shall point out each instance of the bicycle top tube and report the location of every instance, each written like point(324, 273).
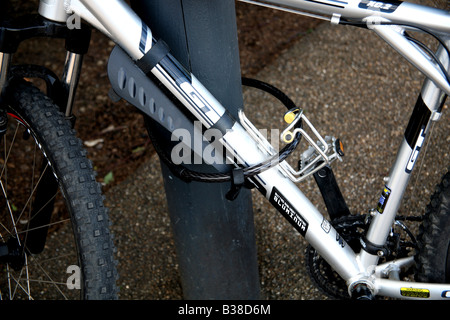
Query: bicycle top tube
point(396, 12)
point(104, 16)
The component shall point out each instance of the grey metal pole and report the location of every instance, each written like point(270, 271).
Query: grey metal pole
point(214, 237)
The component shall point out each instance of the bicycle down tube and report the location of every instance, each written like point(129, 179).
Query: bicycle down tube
point(135, 38)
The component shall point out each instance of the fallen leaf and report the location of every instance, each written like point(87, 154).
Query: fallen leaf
point(93, 143)
point(108, 178)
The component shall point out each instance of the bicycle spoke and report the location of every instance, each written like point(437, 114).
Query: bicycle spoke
point(43, 226)
point(9, 210)
point(23, 281)
point(9, 150)
point(50, 281)
point(31, 195)
point(31, 188)
point(18, 285)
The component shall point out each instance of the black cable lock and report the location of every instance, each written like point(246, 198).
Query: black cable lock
point(237, 176)
point(237, 181)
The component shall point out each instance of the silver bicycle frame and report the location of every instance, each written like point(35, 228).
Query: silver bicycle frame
point(121, 24)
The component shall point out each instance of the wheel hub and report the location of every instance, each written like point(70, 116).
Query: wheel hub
point(11, 253)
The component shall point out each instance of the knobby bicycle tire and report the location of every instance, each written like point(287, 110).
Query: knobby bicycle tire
point(89, 272)
point(433, 258)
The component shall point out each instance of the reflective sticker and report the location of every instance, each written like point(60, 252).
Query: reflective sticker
point(144, 41)
point(383, 199)
point(326, 226)
point(415, 293)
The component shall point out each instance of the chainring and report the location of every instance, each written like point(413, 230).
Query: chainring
point(351, 228)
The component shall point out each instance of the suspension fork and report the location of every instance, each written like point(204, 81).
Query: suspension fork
point(70, 79)
point(5, 62)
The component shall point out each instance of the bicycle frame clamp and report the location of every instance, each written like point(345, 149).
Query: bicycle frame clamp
point(318, 155)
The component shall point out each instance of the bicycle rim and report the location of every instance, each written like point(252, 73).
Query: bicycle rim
point(25, 171)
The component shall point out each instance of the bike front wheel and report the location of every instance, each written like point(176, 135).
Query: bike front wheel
point(54, 230)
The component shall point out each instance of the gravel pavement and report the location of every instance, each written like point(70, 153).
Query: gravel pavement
point(352, 86)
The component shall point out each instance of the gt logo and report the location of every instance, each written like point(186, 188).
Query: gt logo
point(415, 152)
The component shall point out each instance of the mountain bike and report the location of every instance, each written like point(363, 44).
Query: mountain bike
point(362, 256)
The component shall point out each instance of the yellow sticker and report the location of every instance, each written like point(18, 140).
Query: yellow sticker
point(415, 293)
